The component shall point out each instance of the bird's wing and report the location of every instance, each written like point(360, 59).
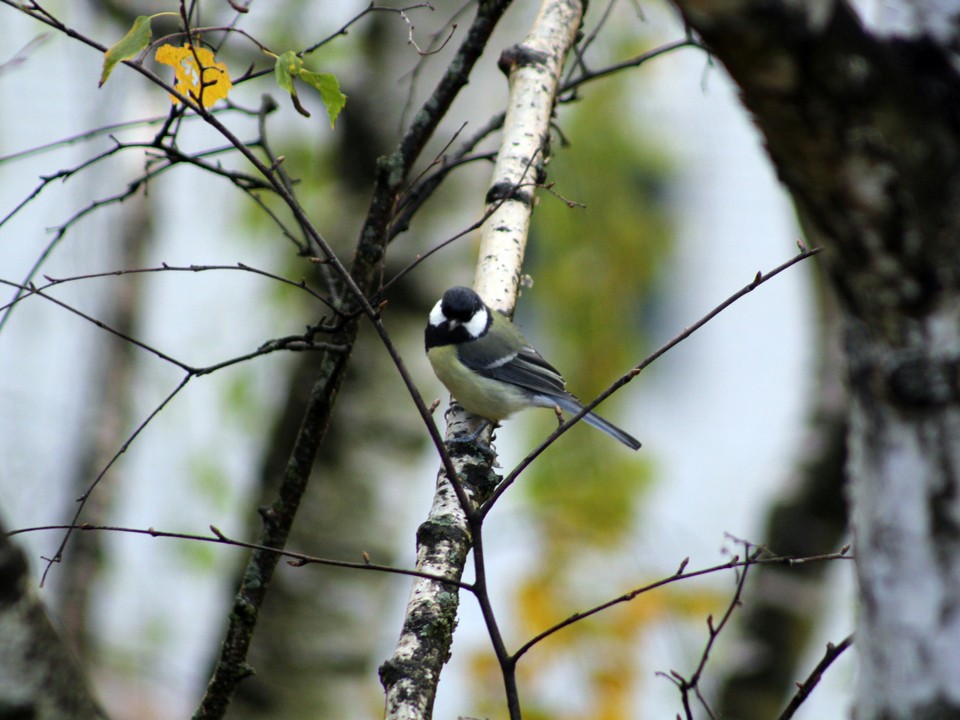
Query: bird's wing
point(526, 369)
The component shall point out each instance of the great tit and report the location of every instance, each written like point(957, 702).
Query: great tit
point(490, 368)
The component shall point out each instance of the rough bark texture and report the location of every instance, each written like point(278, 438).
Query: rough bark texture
point(39, 678)
point(864, 132)
point(411, 675)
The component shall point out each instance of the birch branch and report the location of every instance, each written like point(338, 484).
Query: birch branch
point(533, 67)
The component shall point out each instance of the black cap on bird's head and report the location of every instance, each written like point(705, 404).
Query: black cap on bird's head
point(460, 303)
point(460, 315)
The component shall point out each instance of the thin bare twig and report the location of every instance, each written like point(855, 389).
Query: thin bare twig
point(293, 342)
point(420, 50)
point(296, 559)
point(680, 574)
point(579, 50)
point(372, 7)
point(587, 76)
point(414, 198)
point(466, 231)
point(164, 267)
point(173, 157)
point(806, 687)
point(507, 662)
point(692, 685)
point(82, 500)
point(757, 281)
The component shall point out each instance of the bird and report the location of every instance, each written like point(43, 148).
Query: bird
point(490, 368)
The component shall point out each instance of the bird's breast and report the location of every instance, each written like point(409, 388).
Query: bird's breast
point(479, 395)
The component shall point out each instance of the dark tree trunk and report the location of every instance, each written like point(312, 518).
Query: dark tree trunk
point(863, 130)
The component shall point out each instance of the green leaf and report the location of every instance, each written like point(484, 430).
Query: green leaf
point(134, 42)
point(290, 65)
point(329, 88)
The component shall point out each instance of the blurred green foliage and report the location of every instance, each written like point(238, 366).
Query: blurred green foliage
point(591, 268)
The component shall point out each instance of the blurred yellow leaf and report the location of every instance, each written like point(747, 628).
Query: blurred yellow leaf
point(612, 685)
point(537, 604)
point(206, 88)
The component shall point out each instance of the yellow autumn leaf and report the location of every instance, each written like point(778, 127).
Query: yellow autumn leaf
point(206, 88)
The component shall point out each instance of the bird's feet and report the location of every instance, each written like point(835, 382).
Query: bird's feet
point(474, 439)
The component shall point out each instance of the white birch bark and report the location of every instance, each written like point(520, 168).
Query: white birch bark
point(39, 676)
point(443, 541)
point(863, 127)
point(533, 69)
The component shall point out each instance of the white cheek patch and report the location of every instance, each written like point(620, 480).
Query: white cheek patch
point(437, 318)
point(478, 323)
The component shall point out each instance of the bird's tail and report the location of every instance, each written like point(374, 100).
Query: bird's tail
point(572, 406)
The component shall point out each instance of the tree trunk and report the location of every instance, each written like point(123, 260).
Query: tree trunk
point(863, 131)
point(39, 678)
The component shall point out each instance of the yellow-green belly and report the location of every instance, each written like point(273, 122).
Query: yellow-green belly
point(481, 396)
